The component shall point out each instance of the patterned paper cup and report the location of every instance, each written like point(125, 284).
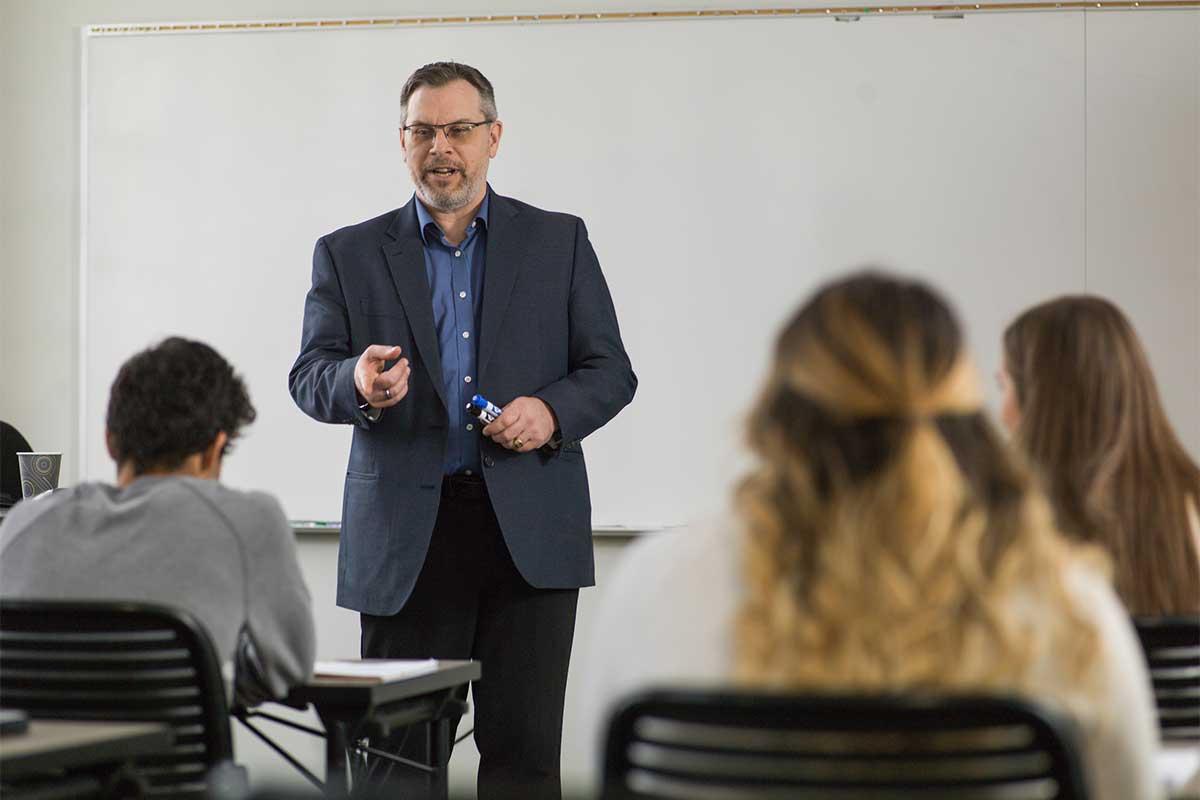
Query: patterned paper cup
point(39, 472)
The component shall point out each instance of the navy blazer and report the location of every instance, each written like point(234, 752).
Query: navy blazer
point(548, 330)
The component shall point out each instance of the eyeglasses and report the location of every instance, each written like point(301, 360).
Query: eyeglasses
point(455, 131)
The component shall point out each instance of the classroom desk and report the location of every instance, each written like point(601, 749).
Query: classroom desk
point(79, 756)
point(350, 709)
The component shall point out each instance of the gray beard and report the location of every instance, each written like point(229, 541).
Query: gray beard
point(449, 201)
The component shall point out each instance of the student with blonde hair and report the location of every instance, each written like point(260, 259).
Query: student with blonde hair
point(1082, 401)
point(886, 540)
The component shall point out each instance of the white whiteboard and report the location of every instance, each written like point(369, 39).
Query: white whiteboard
point(724, 169)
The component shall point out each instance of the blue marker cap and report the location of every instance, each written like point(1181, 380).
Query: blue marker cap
point(483, 408)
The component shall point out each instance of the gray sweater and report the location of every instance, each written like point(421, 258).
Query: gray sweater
point(226, 556)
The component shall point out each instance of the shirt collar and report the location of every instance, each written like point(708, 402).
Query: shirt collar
point(425, 219)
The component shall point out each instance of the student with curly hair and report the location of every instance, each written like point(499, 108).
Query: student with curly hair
point(168, 532)
point(1081, 399)
point(886, 540)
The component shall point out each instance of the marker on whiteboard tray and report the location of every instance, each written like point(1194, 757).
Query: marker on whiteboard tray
point(484, 409)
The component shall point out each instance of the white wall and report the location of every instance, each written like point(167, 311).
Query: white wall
point(1144, 137)
point(39, 169)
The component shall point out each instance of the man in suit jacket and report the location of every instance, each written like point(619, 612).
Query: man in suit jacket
point(459, 542)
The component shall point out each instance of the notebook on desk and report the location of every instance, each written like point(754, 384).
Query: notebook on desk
point(373, 670)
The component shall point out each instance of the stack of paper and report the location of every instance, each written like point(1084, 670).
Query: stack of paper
point(374, 670)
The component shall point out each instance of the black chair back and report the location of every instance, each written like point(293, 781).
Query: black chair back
point(121, 661)
point(1172, 648)
point(745, 746)
point(11, 443)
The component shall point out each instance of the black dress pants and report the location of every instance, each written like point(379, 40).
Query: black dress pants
point(471, 602)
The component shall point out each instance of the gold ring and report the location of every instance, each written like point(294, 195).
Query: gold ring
point(517, 443)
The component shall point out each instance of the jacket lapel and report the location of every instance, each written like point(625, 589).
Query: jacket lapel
point(503, 262)
point(406, 261)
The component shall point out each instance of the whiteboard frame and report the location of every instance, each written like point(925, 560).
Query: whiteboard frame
point(839, 11)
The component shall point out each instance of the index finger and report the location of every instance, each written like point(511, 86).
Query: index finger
point(382, 352)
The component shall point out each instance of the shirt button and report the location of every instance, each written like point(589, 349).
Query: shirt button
point(472, 224)
point(463, 295)
point(466, 334)
point(470, 427)
point(488, 462)
point(467, 379)
point(457, 253)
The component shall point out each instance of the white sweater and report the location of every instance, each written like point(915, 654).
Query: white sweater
point(667, 615)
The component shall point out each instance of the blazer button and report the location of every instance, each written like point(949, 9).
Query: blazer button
point(488, 462)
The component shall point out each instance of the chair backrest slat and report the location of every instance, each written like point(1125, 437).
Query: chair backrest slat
point(1172, 649)
point(121, 661)
point(656, 786)
point(727, 745)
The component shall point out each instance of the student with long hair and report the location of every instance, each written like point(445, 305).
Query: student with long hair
point(1082, 402)
point(886, 540)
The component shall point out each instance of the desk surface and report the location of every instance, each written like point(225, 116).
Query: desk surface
point(369, 693)
point(57, 744)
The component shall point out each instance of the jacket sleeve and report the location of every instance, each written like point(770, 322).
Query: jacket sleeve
point(322, 378)
point(600, 380)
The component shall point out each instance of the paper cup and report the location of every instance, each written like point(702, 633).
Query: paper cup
point(39, 472)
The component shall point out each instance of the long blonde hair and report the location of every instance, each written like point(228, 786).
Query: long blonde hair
point(890, 533)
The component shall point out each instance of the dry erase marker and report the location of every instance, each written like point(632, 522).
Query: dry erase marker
point(483, 408)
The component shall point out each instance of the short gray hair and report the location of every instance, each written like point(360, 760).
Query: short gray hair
point(440, 73)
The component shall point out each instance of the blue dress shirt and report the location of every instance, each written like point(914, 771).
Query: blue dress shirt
point(455, 276)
